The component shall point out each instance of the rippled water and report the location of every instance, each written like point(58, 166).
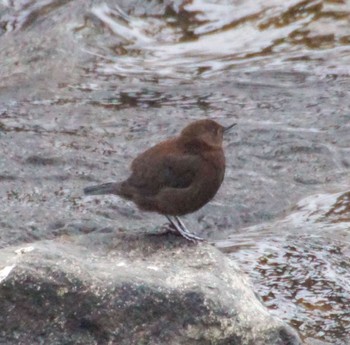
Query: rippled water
point(85, 86)
point(205, 37)
point(300, 264)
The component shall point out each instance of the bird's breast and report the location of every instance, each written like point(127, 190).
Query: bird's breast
point(208, 180)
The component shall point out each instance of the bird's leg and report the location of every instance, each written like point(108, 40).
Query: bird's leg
point(181, 224)
point(170, 227)
point(183, 227)
point(182, 230)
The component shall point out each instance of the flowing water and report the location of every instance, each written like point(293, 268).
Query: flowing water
point(86, 85)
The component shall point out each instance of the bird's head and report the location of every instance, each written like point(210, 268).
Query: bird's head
point(206, 131)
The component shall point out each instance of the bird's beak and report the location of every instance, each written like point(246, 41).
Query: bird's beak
point(226, 129)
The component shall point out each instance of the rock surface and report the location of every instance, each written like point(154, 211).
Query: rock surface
point(136, 289)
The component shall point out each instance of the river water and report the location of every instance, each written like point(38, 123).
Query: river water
point(86, 85)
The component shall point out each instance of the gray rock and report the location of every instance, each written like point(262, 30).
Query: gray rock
point(119, 289)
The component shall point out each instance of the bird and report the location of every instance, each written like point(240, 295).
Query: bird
point(177, 176)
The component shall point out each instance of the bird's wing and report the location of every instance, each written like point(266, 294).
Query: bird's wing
point(179, 171)
point(174, 171)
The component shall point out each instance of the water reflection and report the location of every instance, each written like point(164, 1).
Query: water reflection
point(201, 37)
point(300, 265)
point(26, 12)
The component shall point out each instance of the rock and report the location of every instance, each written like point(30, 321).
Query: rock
point(310, 341)
point(119, 289)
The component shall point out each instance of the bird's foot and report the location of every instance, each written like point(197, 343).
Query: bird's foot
point(179, 227)
point(191, 237)
point(168, 228)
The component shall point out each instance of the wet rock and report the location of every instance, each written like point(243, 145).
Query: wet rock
point(108, 289)
point(37, 160)
point(310, 341)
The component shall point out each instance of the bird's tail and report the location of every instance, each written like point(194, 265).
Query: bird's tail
point(106, 188)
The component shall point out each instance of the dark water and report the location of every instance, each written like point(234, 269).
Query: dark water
point(85, 86)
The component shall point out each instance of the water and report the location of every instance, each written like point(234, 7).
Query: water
point(204, 38)
point(85, 86)
point(300, 265)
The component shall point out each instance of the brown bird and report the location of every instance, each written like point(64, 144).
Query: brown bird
point(177, 176)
